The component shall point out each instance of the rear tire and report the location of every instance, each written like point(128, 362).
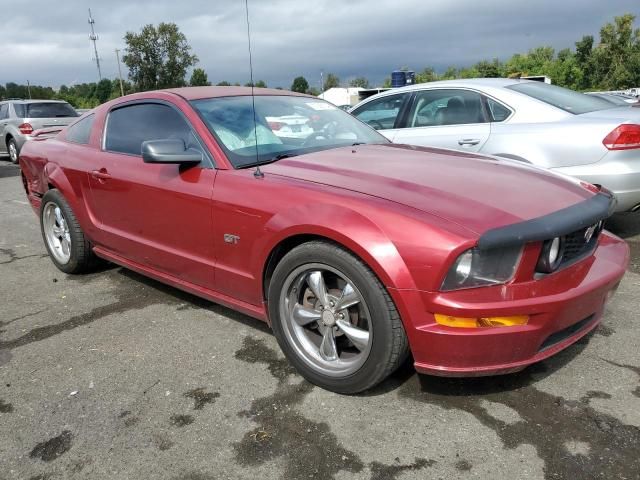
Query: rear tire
point(14, 151)
point(367, 336)
point(65, 241)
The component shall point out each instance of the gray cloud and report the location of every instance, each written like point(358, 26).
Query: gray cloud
point(49, 44)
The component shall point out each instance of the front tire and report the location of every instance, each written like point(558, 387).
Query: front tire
point(14, 152)
point(66, 243)
point(334, 320)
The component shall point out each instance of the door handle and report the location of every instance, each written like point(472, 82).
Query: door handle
point(469, 141)
point(101, 174)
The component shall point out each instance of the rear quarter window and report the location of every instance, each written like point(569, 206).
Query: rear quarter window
point(80, 132)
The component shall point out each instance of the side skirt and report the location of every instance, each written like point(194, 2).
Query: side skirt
point(254, 311)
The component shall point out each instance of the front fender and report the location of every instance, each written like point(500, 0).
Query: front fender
point(342, 225)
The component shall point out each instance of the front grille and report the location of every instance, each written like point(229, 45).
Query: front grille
point(565, 333)
point(576, 244)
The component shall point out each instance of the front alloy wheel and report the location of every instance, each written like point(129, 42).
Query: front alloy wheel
point(333, 319)
point(326, 320)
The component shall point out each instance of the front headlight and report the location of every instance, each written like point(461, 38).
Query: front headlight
point(476, 268)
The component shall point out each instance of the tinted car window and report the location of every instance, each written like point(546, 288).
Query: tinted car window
point(446, 107)
point(381, 113)
point(499, 112)
point(4, 111)
point(49, 110)
point(562, 98)
point(128, 127)
point(80, 131)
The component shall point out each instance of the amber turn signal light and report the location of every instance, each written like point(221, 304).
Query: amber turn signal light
point(466, 322)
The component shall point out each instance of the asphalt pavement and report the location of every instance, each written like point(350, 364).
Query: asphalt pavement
point(114, 376)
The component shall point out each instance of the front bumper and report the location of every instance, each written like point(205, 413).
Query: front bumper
point(618, 171)
point(563, 307)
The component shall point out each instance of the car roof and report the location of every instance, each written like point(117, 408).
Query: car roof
point(197, 93)
point(467, 82)
point(19, 100)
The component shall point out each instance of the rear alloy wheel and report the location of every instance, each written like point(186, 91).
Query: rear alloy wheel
point(68, 248)
point(334, 320)
point(12, 147)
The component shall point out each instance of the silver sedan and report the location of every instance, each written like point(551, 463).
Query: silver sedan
point(549, 126)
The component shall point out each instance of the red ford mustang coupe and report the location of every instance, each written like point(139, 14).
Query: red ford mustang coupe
point(358, 252)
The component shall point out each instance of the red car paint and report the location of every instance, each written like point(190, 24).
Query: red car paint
point(407, 212)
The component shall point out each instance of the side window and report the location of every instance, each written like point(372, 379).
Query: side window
point(381, 113)
point(499, 112)
point(4, 111)
point(128, 127)
point(80, 131)
point(446, 107)
point(19, 109)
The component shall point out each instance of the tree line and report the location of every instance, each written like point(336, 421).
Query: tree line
point(160, 57)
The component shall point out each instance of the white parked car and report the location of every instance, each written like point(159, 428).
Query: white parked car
point(579, 135)
point(290, 126)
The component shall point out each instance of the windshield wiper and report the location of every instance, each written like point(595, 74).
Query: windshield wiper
point(280, 156)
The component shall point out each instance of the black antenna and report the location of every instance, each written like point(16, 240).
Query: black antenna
point(258, 173)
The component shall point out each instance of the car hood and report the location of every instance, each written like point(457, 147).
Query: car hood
point(474, 191)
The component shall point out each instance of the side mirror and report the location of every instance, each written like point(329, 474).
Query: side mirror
point(169, 151)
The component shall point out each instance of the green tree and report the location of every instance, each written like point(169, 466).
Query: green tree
point(261, 84)
point(449, 74)
point(223, 84)
point(158, 57)
point(488, 69)
point(300, 85)
point(103, 90)
point(360, 82)
point(616, 60)
point(331, 81)
point(426, 75)
point(199, 78)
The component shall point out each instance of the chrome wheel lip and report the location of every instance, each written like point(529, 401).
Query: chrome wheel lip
point(297, 337)
point(56, 233)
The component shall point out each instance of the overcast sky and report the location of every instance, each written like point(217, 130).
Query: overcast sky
point(47, 42)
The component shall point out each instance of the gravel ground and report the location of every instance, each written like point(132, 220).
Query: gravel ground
point(111, 375)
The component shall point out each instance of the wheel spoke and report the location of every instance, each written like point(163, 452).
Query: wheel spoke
point(58, 215)
point(303, 316)
point(328, 349)
point(348, 299)
point(317, 286)
point(65, 246)
point(57, 231)
point(358, 336)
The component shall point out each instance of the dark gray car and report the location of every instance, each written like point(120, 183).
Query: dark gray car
point(19, 118)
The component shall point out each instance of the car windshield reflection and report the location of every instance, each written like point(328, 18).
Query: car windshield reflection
point(284, 126)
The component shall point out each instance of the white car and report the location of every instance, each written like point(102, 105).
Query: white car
point(290, 126)
point(552, 127)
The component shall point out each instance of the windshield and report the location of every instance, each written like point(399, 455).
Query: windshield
point(45, 110)
point(562, 98)
point(285, 126)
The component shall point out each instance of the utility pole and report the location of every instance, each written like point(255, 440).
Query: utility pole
point(119, 72)
point(93, 37)
point(29, 89)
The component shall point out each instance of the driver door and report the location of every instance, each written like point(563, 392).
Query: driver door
point(156, 215)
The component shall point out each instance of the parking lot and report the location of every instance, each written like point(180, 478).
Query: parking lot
point(112, 375)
